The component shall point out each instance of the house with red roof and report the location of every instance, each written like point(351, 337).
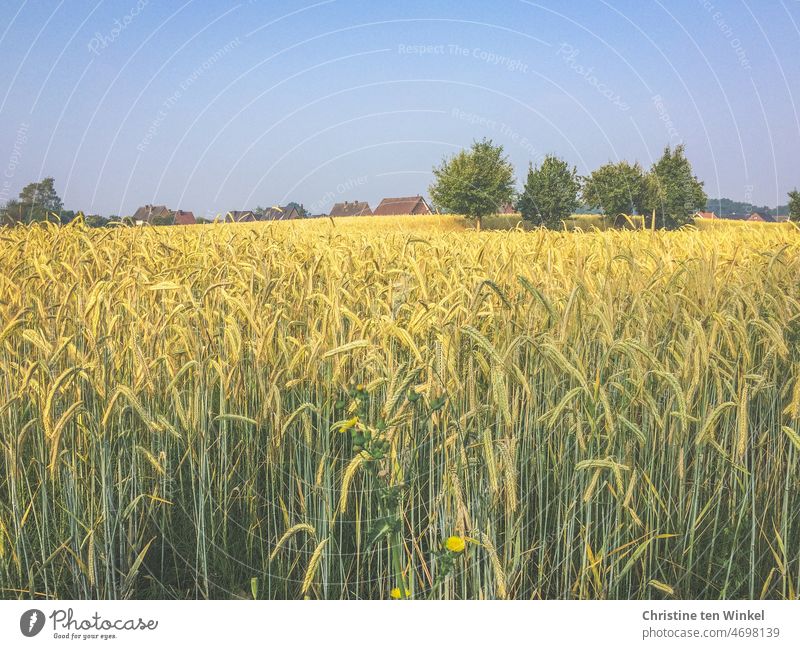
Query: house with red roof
point(184, 218)
point(404, 205)
point(353, 208)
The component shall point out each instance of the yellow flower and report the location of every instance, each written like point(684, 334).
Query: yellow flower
point(348, 425)
point(455, 544)
point(360, 387)
point(395, 593)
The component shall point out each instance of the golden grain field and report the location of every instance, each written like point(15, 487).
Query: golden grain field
point(399, 407)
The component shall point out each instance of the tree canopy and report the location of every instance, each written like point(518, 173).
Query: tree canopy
point(674, 192)
point(617, 188)
point(794, 206)
point(551, 192)
point(475, 182)
point(36, 202)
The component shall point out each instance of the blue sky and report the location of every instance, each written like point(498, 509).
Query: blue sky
point(213, 106)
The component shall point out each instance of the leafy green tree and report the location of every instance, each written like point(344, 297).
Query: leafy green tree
point(674, 192)
point(13, 212)
point(42, 193)
point(36, 202)
point(16, 212)
point(551, 192)
point(163, 220)
point(616, 188)
point(474, 182)
point(794, 206)
point(95, 221)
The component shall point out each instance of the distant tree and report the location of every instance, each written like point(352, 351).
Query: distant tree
point(551, 192)
point(95, 221)
point(794, 206)
point(36, 202)
point(616, 188)
point(474, 182)
point(728, 207)
point(42, 193)
point(163, 220)
point(674, 192)
point(16, 212)
point(13, 212)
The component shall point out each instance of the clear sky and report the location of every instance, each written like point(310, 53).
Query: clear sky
point(213, 106)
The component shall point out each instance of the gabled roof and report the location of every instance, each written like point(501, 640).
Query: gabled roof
point(271, 214)
point(147, 213)
point(278, 213)
point(707, 215)
point(184, 218)
point(239, 216)
point(760, 216)
point(356, 208)
point(402, 205)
